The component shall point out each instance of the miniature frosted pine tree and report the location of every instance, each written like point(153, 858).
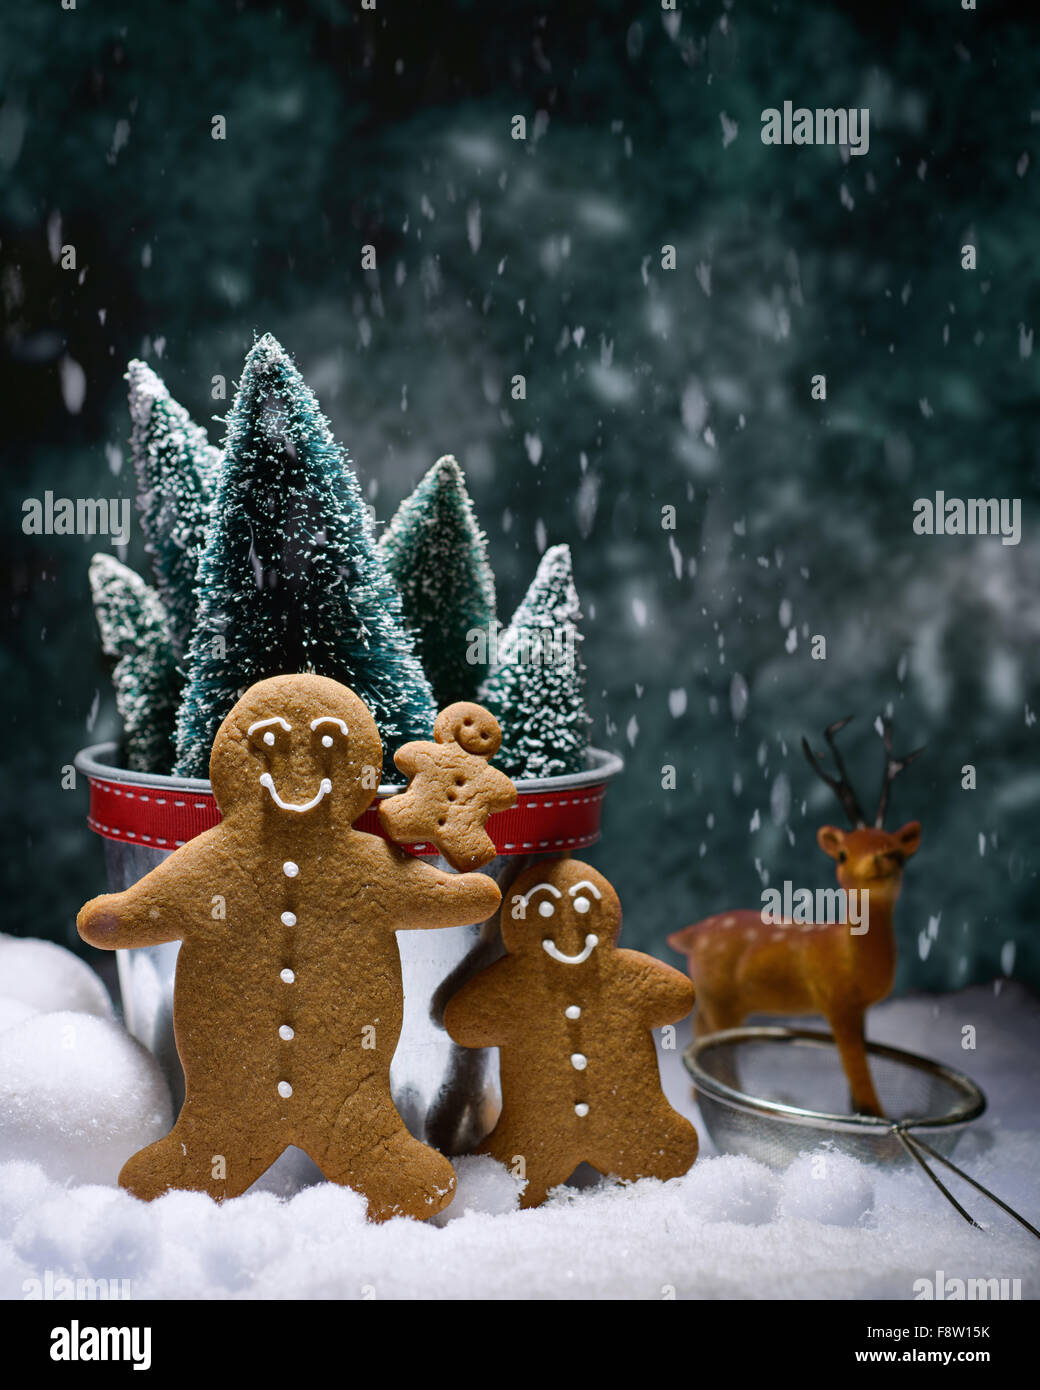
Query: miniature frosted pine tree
point(135, 631)
point(291, 578)
point(536, 689)
point(177, 471)
point(437, 555)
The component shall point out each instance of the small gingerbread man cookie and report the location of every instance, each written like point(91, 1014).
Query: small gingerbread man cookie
point(571, 1016)
point(452, 788)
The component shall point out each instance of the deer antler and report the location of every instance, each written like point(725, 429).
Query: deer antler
point(842, 788)
point(893, 767)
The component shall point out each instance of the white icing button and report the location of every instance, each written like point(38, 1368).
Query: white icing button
point(579, 1061)
point(288, 919)
point(572, 1011)
point(289, 869)
point(546, 909)
point(284, 1090)
point(288, 976)
point(326, 740)
point(581, 1109)
point(269, 738)
point(581, 904)
point(286, 1033)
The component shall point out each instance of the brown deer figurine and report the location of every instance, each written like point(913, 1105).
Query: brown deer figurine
point(742, 964)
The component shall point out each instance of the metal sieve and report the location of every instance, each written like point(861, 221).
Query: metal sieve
point(773, 1093)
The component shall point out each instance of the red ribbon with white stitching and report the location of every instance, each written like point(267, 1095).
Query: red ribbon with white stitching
point(540, 822)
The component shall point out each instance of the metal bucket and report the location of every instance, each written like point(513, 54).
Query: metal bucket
point(447, 1095)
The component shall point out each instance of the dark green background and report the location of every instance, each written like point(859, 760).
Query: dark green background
point(392, 128)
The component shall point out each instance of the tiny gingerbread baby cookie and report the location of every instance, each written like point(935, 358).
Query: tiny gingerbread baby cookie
point(288, 999)
point(571, 1014)
point(452, 789)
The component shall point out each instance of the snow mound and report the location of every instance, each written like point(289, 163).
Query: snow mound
point(829, 1188)
point(484, 1185)
point(78, 1096)
point(14, 1011)
point(48, 977)
point(732, 1188)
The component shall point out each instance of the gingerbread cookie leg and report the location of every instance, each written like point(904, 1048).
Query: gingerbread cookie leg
point(514, 1143)
point(193, 1156)
point(541, 1177)
point(396, 1173)
point(664, 1146)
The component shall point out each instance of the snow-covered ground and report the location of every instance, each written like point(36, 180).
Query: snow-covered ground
point(77, 1095)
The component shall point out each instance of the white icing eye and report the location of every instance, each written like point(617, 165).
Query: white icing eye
point(546, 909)
point(326, 740)
point(269, 738)
point(581, 904)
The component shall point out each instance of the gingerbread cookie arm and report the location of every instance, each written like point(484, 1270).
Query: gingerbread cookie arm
point(410, 757)
point(427, 897)
point(662, 994)
point(501, 792)
point(478, 1015)
point(157, 908)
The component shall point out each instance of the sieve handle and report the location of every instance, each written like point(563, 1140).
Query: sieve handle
point(913, 1145)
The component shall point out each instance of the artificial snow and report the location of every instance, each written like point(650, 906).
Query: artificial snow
point(831, 1189)
point(827, 1227)
point(733, 1189)
point(14, 1011)
point(78, 1095)
point(483, 1185)
point(47, 977)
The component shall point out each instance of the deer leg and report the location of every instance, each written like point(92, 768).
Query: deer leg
point(848, 1034)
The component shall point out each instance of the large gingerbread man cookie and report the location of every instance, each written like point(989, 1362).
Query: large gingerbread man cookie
point(452, 789)
point(288, 997)
point(571, 1014)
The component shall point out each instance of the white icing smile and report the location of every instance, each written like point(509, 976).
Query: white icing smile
point(550, 948)
point(266, 780)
